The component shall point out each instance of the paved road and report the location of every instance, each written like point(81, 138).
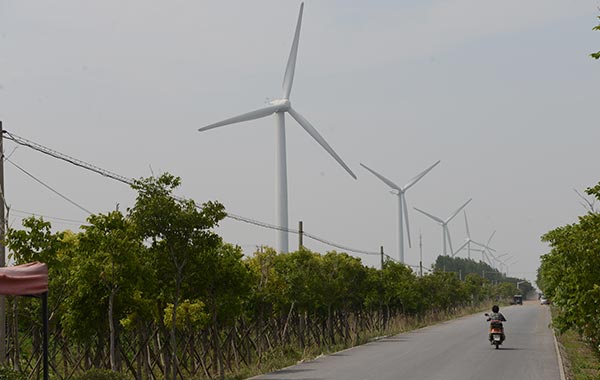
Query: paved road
point(452, 350)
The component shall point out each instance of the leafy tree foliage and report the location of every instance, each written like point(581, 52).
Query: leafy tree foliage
point(179, 233)
point(570, 273)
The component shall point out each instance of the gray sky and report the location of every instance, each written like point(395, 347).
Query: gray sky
point(503, 93)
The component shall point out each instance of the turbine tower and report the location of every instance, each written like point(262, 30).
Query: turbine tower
point(279, 107)
point(402, 208)
point(444, 224)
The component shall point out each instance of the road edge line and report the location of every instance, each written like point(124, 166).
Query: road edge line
point(560, 362)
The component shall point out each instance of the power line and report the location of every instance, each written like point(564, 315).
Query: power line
point(82, 164)
point(49, 188)
point(22, 212)
point(61, 156)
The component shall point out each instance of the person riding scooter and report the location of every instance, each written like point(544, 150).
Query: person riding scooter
point(496, 319)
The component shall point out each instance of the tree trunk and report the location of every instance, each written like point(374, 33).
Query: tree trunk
point(174, 325)
point(111, 327)
point(17, 344)
point(218, 357)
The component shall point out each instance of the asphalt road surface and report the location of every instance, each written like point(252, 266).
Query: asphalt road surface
point(458, 349)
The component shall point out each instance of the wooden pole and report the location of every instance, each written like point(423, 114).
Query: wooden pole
point(300, 236)
point(2, 250)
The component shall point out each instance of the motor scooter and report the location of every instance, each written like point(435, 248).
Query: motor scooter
point(496, 331)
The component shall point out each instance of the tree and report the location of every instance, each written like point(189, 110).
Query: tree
point(569, 273)
point(37, 242)
point(400, 292)
point(224, 285)
point(177, 231)
point(107, 271)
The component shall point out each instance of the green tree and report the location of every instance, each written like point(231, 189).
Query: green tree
point(343, 279)
point(570, 273)
point(224, 286)
point(106, 271)
point(37, 242)
point(400, 288)
point(177, 230)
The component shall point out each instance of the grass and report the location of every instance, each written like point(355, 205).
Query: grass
point(580, 360)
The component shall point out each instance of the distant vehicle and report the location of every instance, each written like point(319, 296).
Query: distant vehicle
point(544, 301)
point(518, 299)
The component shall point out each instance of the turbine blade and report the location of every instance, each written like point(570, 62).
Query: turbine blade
point(382, 178)
point(467, 225)
point(490, 239)
point(419, 176)
point(406, 220)
point(461, 248)
point(458, 210)
point(431, 216)
point(479, 244)
point(288, 78)
point(449, 240)
point(257, 114)
point(313, 132)
point(490, 249)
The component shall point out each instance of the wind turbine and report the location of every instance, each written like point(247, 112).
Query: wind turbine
point(444, 224)
point(402, 208)
point(468, 241)
point(487, 249)
point(279, 107)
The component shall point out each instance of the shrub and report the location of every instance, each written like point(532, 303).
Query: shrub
point(7, 373)
point(100, 374)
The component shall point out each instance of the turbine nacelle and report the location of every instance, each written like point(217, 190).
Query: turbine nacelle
point(284, 104)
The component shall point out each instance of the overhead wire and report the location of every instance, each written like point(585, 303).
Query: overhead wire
point(48, 187)
point(105, 173)
point(65, 220)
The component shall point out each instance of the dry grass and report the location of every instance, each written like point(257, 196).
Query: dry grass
point(581, 361)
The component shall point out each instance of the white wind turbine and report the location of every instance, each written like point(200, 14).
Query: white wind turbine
point(468, 241)
point(279, 107)
point(487, 250)
point(444, 224)
point(402, 208)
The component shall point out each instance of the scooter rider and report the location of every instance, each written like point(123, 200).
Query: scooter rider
point(497, 316)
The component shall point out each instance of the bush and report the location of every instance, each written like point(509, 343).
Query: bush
point(100, 374)
point(7, 373)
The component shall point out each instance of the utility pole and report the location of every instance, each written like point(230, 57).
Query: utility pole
point(381, 249)
point(2, 250)
point(300, 236)
point(420, 255)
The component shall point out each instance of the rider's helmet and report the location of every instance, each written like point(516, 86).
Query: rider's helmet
point(495, 308)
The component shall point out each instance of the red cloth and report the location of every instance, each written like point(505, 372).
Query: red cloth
point(25, 279)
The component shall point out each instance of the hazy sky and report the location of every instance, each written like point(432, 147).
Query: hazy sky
point(503, 93)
